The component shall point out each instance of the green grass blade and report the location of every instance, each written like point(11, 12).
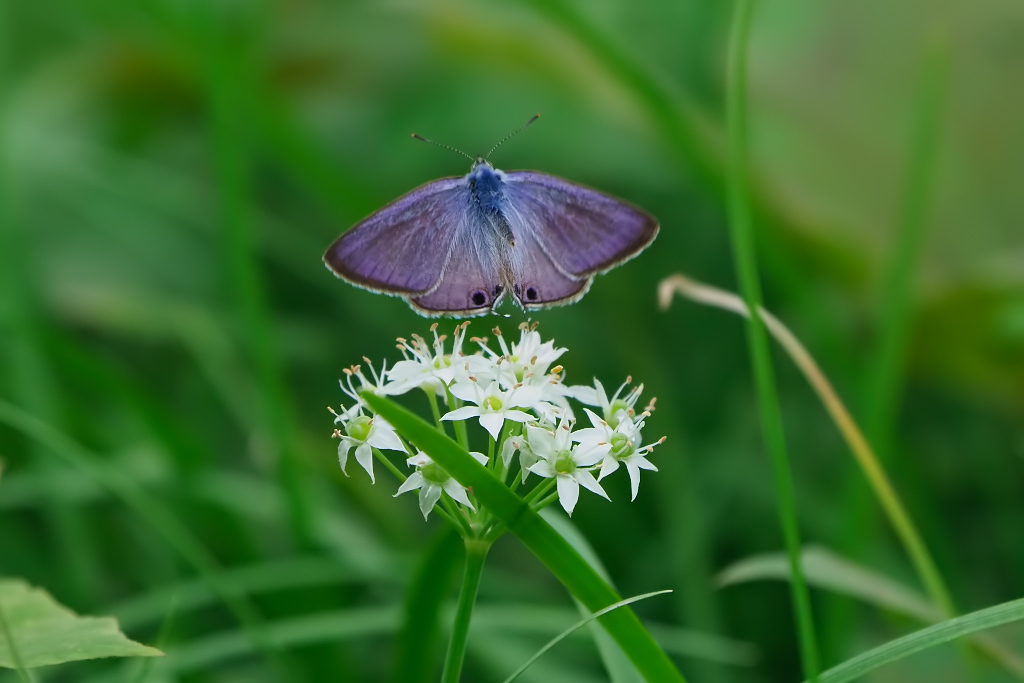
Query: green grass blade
point(741, 229)
point(579, 624)
point(829, 571)
point(229, 65)
point(885, 372)
point(537, 535)
point(951, 629)
point(419, 639)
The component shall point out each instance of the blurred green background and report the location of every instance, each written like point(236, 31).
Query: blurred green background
point(172, 171)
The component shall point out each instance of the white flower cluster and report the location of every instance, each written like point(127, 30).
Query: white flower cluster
point(518, 396)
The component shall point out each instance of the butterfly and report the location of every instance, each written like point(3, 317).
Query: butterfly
point(459, 246)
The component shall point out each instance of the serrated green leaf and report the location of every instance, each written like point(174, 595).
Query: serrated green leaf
point(45, 632)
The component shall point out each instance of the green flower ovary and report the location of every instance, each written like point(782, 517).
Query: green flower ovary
point(492, 403)
point(443, 362)
point(611, 416)
point(434, 473)
point(359, 428)
point(622, 446)
point(564, 464)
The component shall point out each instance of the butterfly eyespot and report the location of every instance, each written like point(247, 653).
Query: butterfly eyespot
point(531, 293)
point(478, 298)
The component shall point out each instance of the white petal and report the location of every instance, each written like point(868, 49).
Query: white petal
point(608, 465)
point(587, 481)
point(458, 493)
point(344, 446)
point(492, 423)
point(429, 495)
point(642, 462)
point(542, 442)
point(596, 420)
point(543, 468)
point(364, 456)
point(466, 391)
point(508, 449)
point(568, 493)
point(383, 436)
point(586, 455)
point(414, 482)
point(590, 436)
point(463, 413)
point(519, 416)
point(634, 478)
point(525, 396)
point(480, 457)
point(421, 459)
point(584, 395)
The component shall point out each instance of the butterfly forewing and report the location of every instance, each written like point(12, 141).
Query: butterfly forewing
point(583, 231)
point(405, 247)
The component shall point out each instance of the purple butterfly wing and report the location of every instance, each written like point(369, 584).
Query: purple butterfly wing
point(582, 230)
point(405, 247)
point(537, 281)
point(474, 277)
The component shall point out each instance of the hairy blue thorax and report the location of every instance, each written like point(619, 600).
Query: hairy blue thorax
point(486, 183)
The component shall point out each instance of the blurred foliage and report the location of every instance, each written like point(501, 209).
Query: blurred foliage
point(172, 171)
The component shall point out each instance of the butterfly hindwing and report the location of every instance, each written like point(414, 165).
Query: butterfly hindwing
point(537, 281)
point(473, 280)
point(582, 230)
point(405, 247)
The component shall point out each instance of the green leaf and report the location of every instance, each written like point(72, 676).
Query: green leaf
point(827, 570)
point(990, 617)
point(537, 535)
point(40, 631)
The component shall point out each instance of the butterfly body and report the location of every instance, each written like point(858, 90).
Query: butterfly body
point(459, 246)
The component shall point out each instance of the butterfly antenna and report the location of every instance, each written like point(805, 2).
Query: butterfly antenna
point(505, 139)
point(457, 151)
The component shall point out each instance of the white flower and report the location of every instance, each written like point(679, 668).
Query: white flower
point(376, 385)
point(567, 463)
point(623, 442)
point(432, 480)
point(493, 405)
point(429, 367)
point(615, 408)
point(527, 357)
point(364, 434)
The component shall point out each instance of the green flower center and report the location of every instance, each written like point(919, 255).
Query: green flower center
point(622, 446)
point(443, 362)
point(617, 407)
point(492, 403)
point(564, 464)
point(359, 428)
point(434, 473)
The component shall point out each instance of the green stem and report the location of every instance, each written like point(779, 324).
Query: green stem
point(540, 490)
point(545, 502)
point(434, 409)
point(740, 225)
point(476, 554)
point(459, 425)
point(391, 467)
